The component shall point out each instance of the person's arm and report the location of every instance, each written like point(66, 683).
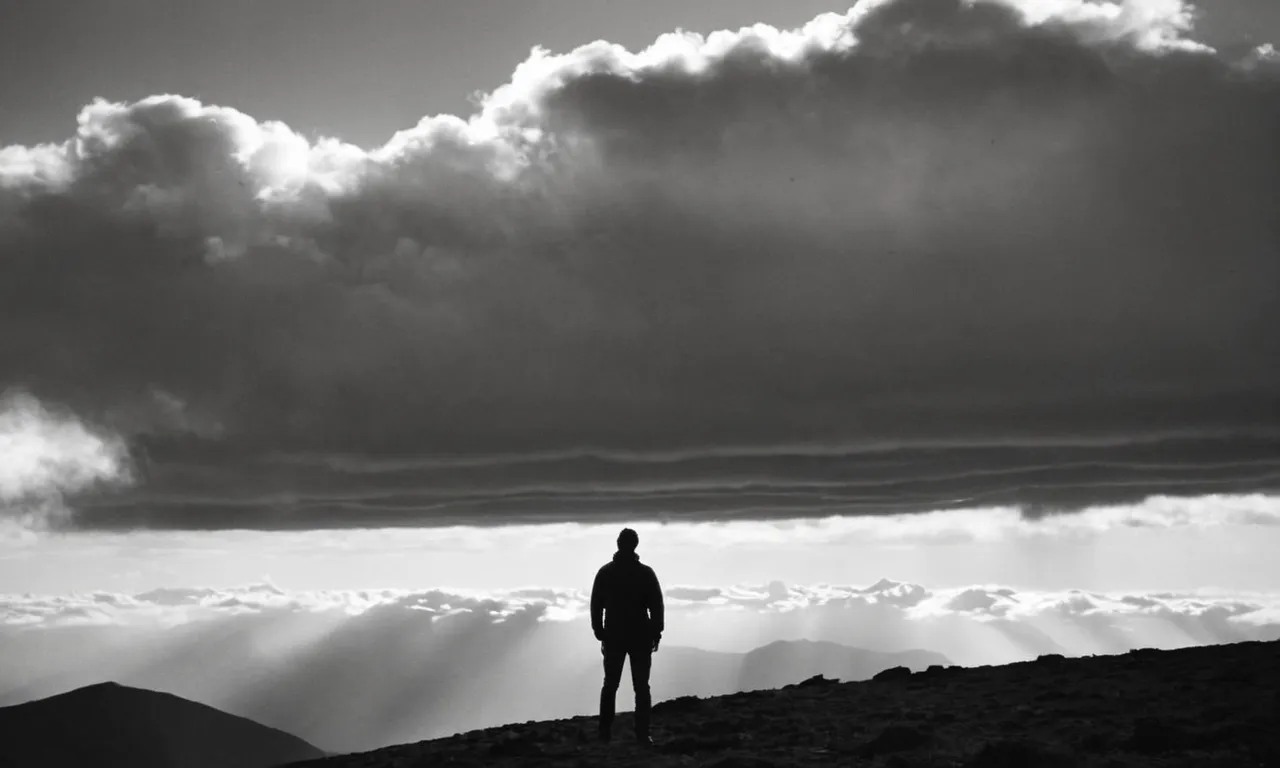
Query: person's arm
point(657, 611)
point(598, 597)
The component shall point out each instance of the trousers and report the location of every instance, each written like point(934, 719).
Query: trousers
point(615, 654)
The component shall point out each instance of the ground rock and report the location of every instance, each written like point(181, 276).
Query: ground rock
point(1020, 753)
point(893, 673)
point(895, 738)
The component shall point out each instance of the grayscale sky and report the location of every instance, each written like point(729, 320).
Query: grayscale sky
point(323, 320)
point(352, 70)
point(914, 255)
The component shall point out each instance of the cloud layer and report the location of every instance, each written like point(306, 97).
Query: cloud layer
point(175, 606)
point(920, 222)
point(357, 669)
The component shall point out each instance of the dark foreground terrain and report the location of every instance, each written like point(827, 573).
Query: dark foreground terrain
point(115, 726)
point(1208, 706)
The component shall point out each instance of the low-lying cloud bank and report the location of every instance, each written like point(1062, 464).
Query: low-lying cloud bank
point(920, 222)
point(174, 606)
point(354, 669)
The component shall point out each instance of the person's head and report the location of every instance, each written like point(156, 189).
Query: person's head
point(628, 540)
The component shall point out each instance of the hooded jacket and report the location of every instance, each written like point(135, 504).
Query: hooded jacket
point(626, 601)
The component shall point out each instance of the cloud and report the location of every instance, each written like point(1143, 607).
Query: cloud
point(919, 223)
point(908, 602)
point(47, 454)
point(353, 669)
point(979, 525)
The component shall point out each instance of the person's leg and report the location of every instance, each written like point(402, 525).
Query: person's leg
point(641, 661)
point(613, 660)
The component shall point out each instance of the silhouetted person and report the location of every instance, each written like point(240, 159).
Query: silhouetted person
point(627, 617)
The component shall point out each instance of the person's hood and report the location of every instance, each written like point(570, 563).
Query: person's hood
point(625, 557)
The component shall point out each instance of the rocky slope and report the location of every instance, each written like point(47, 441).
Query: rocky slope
point(1206, 706)
point(684, 671)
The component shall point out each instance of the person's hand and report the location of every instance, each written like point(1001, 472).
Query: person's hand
point(602, 653)
point(656, 640)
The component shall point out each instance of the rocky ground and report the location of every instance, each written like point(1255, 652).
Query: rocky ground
point(1207, 706)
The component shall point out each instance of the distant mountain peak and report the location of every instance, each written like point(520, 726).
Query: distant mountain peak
point(883, 584)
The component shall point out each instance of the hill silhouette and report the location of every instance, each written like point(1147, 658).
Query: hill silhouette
point(1203, 706)
point(108, 725)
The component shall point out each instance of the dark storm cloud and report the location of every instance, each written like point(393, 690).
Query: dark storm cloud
point(924, 221)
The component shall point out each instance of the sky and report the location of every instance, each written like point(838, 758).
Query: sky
point(917, 324)
point(324, 67)
point(331, 68)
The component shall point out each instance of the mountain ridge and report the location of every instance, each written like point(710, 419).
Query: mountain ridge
point(107, 724)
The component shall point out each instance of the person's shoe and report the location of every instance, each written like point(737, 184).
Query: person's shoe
point(604, 736)
point(644, 741)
